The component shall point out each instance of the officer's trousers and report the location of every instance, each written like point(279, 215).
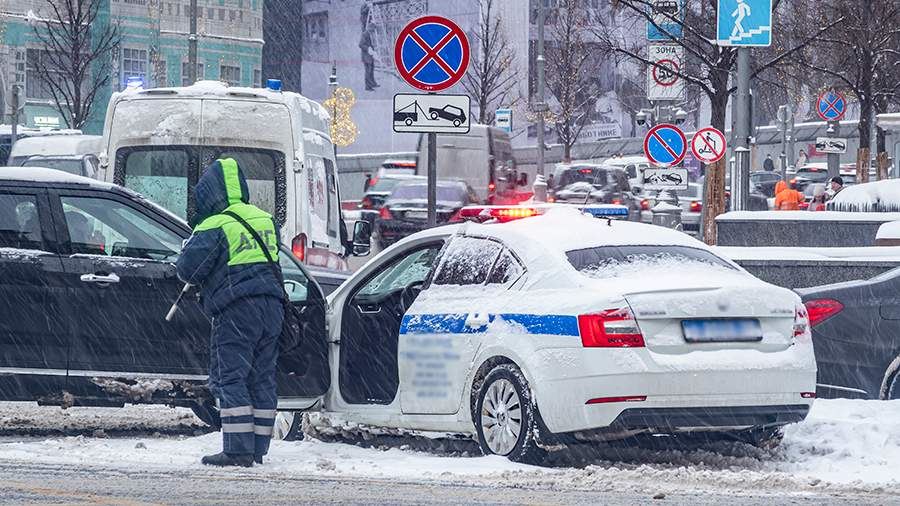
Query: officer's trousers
point(244, 351)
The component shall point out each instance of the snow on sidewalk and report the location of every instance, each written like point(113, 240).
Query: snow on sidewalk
point(843, 445)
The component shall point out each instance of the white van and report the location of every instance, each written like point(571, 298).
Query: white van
point(158, 142)
point(484, 159)
point(72, 153)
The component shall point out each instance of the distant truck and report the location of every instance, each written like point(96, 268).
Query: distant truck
point(158, 141)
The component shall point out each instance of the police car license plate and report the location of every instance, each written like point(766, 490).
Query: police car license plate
point(722, 331)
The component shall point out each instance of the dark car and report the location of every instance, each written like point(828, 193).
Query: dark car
point(809, 174)
point(87, 278)
point(856, 335)
point(580, 183)
point(449, 113)
point(406, 210)
point(764, 182)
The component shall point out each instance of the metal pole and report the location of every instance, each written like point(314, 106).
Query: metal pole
point(740, 179)
point(192, 45)
point(540, 184)
point(834, 159)
point(16, 105)
point(432, 179)
point(783, 120)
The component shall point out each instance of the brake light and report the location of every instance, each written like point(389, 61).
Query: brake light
point(586, 171)
point(808, 395)
point(801, 321)
point(645, 205)
point(617, 202)
point(298, 247)
point(492, 187)
point(803, 206)
point(385, 214)
point(819, 310)
point(613, 328)
point(696, 206)
point(366, 203)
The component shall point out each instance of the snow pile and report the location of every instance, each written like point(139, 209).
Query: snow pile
point(877, 196)
point(889, 231)
point(662, 263)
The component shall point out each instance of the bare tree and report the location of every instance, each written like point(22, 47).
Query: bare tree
point(569, 72)
point(708, 66)
point(493, 76)
point(76, 60)
point(860, 56)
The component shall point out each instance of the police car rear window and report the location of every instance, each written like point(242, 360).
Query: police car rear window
point(606, 261)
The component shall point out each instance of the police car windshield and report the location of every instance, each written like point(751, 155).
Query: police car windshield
point(610, 261)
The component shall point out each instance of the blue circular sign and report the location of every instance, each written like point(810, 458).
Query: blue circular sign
point(665, 145)
point(431, 53)
point(831, 106)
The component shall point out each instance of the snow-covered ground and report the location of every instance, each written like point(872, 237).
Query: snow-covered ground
point(844, 447)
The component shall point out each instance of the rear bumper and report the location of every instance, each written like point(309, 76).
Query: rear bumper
point(725, 416)
point(391, 231)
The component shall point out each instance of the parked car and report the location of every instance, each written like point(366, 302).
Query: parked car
point(632, 165)
point(856, 334)
point(376, 195)
point(405, 211)
point(764, 182)
point(88, 277)
point(80, 165)
point(563, 328)
point(591, 183)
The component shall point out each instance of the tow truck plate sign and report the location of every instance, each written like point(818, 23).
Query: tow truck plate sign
point(442, 114)
point(672, 178)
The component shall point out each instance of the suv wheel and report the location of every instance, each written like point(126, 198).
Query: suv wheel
point(505, 416)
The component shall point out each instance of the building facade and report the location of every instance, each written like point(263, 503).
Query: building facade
point(153, 49)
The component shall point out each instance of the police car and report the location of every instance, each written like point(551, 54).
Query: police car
point(563, 328)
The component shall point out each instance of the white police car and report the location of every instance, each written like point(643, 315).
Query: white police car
point(565, 328)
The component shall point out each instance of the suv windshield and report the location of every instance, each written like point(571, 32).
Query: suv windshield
point(65, 165)
point(612, 261)
point(167, 174)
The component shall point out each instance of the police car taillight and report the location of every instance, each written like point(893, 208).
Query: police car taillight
point(613, 328)
point(298, 247)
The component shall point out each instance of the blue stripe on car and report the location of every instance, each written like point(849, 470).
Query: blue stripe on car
point(557, 325)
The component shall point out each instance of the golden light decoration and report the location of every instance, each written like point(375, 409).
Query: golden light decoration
point(343, 130)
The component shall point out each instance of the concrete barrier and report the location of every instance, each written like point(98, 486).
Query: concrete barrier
point(800, 228)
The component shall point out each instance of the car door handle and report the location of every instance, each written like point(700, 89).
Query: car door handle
point(477, 320)
point(100, 278)
point(369, 308)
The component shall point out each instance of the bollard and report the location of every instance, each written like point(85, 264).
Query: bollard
point(665, 212)
point(540, 188)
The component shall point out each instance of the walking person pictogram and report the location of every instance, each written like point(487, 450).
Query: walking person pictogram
point(741, 12)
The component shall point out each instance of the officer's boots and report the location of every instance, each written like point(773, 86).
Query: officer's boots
point(228, 460)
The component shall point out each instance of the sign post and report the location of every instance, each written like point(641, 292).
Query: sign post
point(431, 54)
point(831, 107)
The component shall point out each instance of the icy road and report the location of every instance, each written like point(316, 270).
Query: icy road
point(846, 452)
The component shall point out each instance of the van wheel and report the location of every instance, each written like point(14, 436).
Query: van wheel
point(207, 413)
point(288, 426)
point(504, 416)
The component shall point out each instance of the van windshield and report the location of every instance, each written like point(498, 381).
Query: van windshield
point(167, 174)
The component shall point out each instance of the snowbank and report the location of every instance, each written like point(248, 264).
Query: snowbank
point(889, 230)
point(877, 196)
point(844, 445)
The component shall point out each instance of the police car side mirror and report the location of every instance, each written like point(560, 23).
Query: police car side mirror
point(362, 238)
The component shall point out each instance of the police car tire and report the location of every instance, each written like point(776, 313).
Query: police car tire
point(208, 414)
point(526, 449)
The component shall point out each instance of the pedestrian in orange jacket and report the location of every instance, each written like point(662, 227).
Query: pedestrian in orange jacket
point(787, 199)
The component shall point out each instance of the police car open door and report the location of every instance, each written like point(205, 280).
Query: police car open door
point(303, 373)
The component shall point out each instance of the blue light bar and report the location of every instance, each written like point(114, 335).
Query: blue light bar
point(273, 84)
point(604, 211)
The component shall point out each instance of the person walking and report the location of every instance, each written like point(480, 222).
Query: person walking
point(787, 199)
point(768, 164)
point(242, 292)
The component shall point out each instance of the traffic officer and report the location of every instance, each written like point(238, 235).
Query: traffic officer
point(243, 295)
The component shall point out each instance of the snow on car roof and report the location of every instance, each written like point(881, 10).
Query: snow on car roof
point(55, 145)
point(869, 196)
point(43, 175)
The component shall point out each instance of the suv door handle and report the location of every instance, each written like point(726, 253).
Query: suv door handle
point(100, 278)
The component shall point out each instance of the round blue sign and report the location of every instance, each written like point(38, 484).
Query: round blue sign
point(432, 53)
point(665, 145)
point(831, 106)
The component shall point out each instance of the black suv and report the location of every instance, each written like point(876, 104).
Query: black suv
point(87, 279)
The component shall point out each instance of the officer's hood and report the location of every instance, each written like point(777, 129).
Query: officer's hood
point(221, 185)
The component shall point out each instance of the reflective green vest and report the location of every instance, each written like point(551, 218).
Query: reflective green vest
point(242, 247)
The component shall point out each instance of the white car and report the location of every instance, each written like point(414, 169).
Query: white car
point(564, 328)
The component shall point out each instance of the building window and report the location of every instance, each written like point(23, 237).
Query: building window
point(134, 64)
point(257, 78)
point(185, 73)
point(232, 16)
point(221, 14)
point(35, 86)
point(230, 74)
point(211, 13)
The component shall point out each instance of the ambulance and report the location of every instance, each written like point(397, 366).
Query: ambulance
point(158, 141)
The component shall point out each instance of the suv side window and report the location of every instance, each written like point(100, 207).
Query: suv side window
point(20, 227)
point(100, 226)
point(467, 261)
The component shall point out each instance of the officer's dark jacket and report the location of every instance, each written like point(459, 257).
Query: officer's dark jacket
point(221, 256)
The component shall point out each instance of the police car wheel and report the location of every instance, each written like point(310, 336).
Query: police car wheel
point(288, 426)
point(505, 417)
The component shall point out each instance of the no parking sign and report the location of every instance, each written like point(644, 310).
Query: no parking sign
point(431, 53)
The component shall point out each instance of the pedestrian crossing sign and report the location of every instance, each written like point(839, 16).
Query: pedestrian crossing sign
point(744, 23)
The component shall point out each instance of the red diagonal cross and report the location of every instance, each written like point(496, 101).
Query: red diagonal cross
point(709, 145)
point(831, 106)
point(431, 53)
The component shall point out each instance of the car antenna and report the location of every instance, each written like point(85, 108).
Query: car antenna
point(588, 196)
